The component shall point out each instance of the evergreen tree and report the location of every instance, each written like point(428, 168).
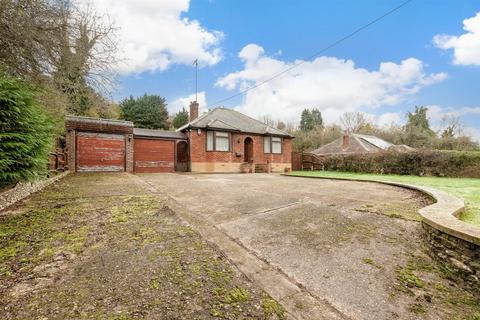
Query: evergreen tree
point(180, 119)
point(311, 119)
point(26, 132)
point(148, 111)
point(306, 123)
point(417, 130)
point(317, 118)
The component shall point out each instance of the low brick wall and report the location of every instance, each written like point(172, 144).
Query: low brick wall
point(452, 243)
point(24, 189)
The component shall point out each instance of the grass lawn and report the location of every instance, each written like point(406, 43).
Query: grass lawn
point(467, 189)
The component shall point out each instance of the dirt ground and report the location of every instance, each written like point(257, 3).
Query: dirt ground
point(358, 245)
point(100, 246)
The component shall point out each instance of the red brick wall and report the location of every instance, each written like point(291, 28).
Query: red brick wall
point(153, 155)
point(198, 151)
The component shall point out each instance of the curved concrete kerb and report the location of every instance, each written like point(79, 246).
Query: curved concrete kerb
point(454, 243)
point(441, 215)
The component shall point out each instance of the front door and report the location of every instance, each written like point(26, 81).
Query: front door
point(248, 152)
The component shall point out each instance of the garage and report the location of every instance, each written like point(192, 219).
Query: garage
point(155, 150)
point(99, 144)
point(116, 146)
point(100, 152)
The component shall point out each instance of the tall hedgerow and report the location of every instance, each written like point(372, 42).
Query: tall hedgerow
point(26, 132)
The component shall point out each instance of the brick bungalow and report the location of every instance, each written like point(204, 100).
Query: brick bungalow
point(354, 143)
point(225, 140)
point(222, 140)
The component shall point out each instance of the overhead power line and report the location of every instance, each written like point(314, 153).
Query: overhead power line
point(337, 42)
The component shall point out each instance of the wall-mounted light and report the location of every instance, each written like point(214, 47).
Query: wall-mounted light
point(199, 131)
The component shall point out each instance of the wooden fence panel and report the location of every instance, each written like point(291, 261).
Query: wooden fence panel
point(297, 160)
point(306, 161)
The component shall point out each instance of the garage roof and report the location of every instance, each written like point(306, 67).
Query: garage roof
point(150, 133)
point(98, 125)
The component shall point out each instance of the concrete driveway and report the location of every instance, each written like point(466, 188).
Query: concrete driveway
point(355, 244)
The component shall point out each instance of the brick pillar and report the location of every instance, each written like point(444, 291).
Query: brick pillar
point(129, 141)
point(346, 140)
point(71, 152)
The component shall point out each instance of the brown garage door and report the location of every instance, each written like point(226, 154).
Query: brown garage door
point(100, 152)
point(154, 155)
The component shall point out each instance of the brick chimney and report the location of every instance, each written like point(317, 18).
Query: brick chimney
point(346, 140)
point(193, 110)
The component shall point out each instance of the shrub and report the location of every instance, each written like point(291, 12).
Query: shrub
point(26, 132)
point(420, 162)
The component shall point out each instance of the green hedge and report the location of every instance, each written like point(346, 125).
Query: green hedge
point(26, 133)
point(428, 163)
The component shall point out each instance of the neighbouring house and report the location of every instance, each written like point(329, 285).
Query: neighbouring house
point(221, 140)
point(352, 143)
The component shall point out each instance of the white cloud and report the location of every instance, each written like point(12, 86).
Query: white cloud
point(436, 114)
point(466, 47)
point(474, 133)
point(153, 35)
point(386, 119)
point(184, 102)
point(330, 84)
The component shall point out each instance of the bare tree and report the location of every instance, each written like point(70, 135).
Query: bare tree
point(54, 40)
point(354, 121)
point(88, 47)
point(451, 127)
point(27, 33)
point(267, 119)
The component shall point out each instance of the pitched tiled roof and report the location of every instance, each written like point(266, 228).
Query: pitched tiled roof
point(358, 143)
point(139, 132)
point(231, 120)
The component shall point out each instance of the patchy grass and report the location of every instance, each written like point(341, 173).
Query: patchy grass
point(408, 278)
point(465, 188)
point(430, 286)
point(273, 308)
point(72, 253)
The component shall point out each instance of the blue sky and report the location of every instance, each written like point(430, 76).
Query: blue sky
point(428, 57)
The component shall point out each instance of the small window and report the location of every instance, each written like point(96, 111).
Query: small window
point(266, 144)
point(276, 145)
point(218, 141)
point(209, 140)
point(222, 141)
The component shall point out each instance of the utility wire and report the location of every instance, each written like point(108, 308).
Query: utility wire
point(350, 35)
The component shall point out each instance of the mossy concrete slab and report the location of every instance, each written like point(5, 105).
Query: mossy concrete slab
point(345, 243)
